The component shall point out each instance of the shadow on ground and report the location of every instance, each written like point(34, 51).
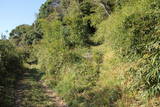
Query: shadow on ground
point(30, 92)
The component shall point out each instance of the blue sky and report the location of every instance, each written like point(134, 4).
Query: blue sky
point(17, 12)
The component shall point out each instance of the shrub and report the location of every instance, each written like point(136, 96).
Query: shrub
point(145, 44)
point(10, 66)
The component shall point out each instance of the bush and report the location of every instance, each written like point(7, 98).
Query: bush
point(132, 33)
point(145, 44)
point(10, 66)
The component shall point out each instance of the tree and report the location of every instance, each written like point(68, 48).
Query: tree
point(24, 35)
point(47, 8)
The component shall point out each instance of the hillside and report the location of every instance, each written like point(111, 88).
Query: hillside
point(92, 53)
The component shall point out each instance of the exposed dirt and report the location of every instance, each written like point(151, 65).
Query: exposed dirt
point(31, 92)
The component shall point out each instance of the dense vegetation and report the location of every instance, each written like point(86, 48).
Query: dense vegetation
point(10, 66)
point(95, 53)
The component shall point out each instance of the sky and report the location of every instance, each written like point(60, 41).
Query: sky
point(17, 12)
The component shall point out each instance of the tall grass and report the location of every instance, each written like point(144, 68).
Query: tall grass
point(102, 78)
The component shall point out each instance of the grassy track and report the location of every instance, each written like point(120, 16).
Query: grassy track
point(31, 93)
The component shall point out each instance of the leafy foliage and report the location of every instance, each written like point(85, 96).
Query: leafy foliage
point(85, 47)
point(10, 66)
point(145, 43)
point(47, 8)
point(24, 35)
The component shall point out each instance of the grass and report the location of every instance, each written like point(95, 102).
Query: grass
point(31, 92)
point(116, 43)
point(76, 82)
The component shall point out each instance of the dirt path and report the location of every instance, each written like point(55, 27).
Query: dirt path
point(30, 92)
point(58, 102)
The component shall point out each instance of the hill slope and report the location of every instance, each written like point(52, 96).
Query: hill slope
point(97, 53)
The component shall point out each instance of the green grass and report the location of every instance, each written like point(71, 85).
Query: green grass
point(31, 90)
point(117, 43)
